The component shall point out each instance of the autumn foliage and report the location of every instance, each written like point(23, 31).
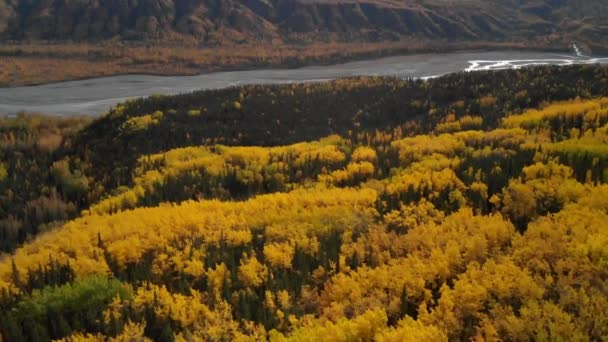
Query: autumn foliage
point(462, 232)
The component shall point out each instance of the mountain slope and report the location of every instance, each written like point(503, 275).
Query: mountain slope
point(213, 22)
point(51, 170)
point(57, 40)
point(468, 207)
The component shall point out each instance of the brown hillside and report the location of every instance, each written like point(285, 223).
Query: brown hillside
point(215, 22)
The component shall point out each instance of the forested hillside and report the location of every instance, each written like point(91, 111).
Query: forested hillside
point(471, 206)
point(57, 40)
point(215, 22)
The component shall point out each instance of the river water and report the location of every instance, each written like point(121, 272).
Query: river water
point(96, 96)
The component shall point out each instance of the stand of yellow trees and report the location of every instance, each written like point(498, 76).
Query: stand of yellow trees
point(454, 235)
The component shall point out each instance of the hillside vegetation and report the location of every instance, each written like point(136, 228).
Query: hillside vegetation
point(49, 41)
point(214, 22)
point(472, 206)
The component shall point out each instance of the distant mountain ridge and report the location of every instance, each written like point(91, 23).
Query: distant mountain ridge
point(219, 22)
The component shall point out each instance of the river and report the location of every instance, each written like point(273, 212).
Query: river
point(96, 96)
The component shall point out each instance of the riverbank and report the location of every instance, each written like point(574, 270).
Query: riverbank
point(35, 64)
point(96, 96)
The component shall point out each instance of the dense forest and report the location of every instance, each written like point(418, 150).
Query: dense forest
point(467, 207)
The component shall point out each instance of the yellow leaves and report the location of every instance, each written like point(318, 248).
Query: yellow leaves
point(187, 158)
point(80, 337)
point(237, 237)
point(217, 278)
point(279, 254)
point(429, 184)
point(252, 165)
point(546, 171)
point(127, 251)
point(195, 112)
point(252, 273)
point(284, 299)
point(592, 144)
point(448, 127)
point(113, 310)
point(502, 279)
point(492, 232)
point(362, 169)
point(280, 315)
point(269, 301)
point(412, 149)
point(427, 251)
point(592, 112)
point(593, 306)
point(480, 188)
point(512, 137)
point(361, 328)
point(596, 198)
point(354, 172)
point(189, 311)
point(184, 258)
point(519, 201)
point(409, 330)
point(542, 188)
point(140, 123)
point(413, 215)
point(128, 235)
point(471, 122)
point(364, 153)
point(433, 162)
point(576, 236)
point(3, 172)
point(195, 268)
point(128, 199)
point(541, 321)
point(487, 101)
point(327, 153)
point(368, 288)
point(336, 177)
point(244, 155)
point(498, 284)
point(467, 122)
point(132, 332)
point(433, 249)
